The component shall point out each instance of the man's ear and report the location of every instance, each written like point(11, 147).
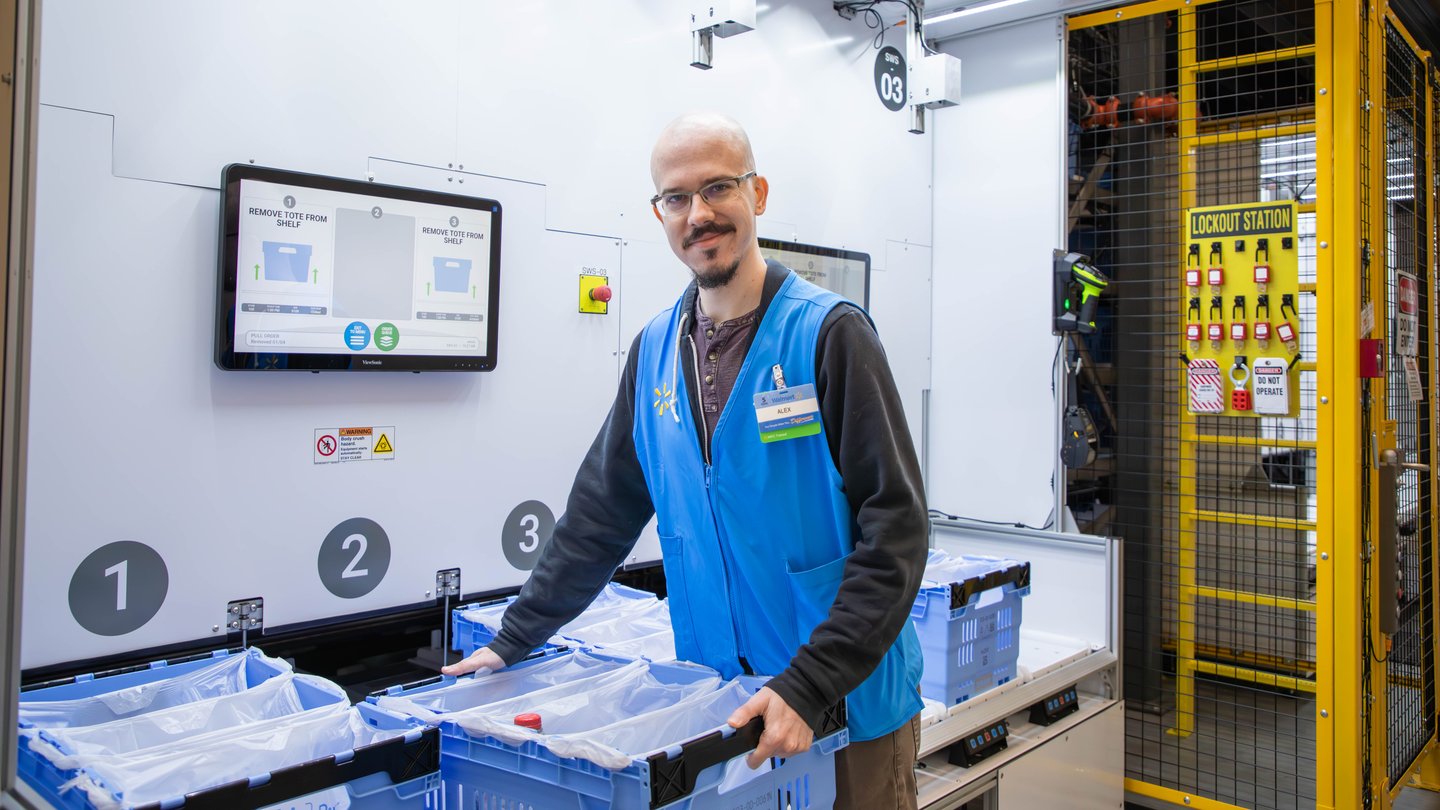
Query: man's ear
point(762, 193)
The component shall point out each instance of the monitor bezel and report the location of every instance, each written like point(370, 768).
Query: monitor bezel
point(827, 252)
point(228, 359)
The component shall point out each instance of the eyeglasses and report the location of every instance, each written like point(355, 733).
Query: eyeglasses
point(675, 203)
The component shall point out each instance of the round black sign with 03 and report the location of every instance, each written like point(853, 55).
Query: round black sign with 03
point(118, 588)
point(526, 533)
point(890, 78)
point(354, 558)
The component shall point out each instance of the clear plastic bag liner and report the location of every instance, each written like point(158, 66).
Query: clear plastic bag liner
point(600, 702)
point(276, 697)
point(609, 603)
point(649, 619)
point(171, 771)
point(658, 647)
point(933, 711)
point(943, 569)
point(468, 693)
point(679, 715)
point(225, 677)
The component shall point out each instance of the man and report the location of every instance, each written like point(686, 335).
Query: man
point(758, 420)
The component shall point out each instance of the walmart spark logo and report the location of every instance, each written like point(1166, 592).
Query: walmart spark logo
point(665, 399)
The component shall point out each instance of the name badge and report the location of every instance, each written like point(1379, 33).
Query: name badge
point(788, 413)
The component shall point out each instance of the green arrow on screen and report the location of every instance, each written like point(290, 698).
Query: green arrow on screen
point(472, 290)
point(427, 288)
point(257, 272)
point(315, 271)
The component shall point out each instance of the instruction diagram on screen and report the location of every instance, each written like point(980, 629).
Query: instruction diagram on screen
point(326, 272)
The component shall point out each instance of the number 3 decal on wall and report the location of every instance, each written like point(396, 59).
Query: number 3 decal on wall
point(525, 534)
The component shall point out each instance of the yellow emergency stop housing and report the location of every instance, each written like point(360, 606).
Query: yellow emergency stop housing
point(588, 283)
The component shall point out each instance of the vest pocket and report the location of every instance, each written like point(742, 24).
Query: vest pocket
point(812, 592)
point(682, 619)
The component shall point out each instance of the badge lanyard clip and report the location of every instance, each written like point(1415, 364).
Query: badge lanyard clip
point(778, 375)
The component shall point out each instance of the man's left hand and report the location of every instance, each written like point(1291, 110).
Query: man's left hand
point(785, 733)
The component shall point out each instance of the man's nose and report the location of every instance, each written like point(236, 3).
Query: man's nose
point(700, 211)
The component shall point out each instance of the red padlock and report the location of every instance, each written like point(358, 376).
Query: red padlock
point(1240, 399)
point(1262, 276)
point(1216, 277)
point(1237, 333)
point(1192, 277)
point(1192, 332)
point(1216, 333)
point(1286, 333)
point(1262, 333)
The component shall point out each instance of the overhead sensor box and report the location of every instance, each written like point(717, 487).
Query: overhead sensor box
point(725, 18)
point(935, 81)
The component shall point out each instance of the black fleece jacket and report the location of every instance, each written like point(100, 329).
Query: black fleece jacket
point(860, 408)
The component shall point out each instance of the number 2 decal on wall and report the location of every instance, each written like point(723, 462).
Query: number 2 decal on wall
point(351, 571)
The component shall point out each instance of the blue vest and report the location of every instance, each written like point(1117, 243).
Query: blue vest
point(755, 544)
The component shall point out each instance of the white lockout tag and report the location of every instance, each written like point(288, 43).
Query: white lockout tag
point(1272, 386)
point(1207, 392)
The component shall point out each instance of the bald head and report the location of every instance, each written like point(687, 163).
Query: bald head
point(700, 133)
point(703, 161)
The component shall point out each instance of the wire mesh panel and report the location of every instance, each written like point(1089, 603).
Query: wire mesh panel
point(1209, 107)
point(1409, 664)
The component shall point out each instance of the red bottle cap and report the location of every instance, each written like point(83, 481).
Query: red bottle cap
point(530, 720)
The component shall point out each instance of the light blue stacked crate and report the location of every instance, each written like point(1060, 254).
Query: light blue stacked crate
point(392, 773)
point(484, 771)
point(970, 628)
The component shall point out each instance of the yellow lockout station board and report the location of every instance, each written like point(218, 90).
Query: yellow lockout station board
point(1239, 309)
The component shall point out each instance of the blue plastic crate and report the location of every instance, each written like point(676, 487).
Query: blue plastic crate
point(970, 630)
point(468, 635)
point(45, 778)
point(484, 772)
point(402, 772)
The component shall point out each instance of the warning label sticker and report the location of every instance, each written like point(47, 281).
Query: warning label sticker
point(337, 445)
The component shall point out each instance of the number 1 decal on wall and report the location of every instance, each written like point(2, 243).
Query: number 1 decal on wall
point(119, 571)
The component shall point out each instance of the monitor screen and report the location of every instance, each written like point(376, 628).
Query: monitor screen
point(321, 273)
point(846, 272)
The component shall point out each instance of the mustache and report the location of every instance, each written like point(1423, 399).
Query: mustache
point(704, 231)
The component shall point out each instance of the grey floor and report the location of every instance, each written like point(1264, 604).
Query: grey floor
point(1250, 748)
point(1412, 799)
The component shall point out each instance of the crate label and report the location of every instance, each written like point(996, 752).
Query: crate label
point(335, 798)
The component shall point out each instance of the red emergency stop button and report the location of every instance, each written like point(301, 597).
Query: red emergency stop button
point(601, 294)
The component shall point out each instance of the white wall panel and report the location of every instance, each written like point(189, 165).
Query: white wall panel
point(998, 203)
point(900, 293)
point(551, 108)
point(317, 86)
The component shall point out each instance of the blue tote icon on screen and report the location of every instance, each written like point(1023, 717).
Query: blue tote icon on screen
point(287, 261)
point(452, 275)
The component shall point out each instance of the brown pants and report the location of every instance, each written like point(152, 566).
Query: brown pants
point(879, 774)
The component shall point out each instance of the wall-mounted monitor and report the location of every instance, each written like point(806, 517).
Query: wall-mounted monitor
point(846, 272)
point(322, 273)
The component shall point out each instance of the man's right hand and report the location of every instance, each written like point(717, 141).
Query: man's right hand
point(482, 661)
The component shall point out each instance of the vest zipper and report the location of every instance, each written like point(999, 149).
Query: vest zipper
point(699, 402)
point(704, 431)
